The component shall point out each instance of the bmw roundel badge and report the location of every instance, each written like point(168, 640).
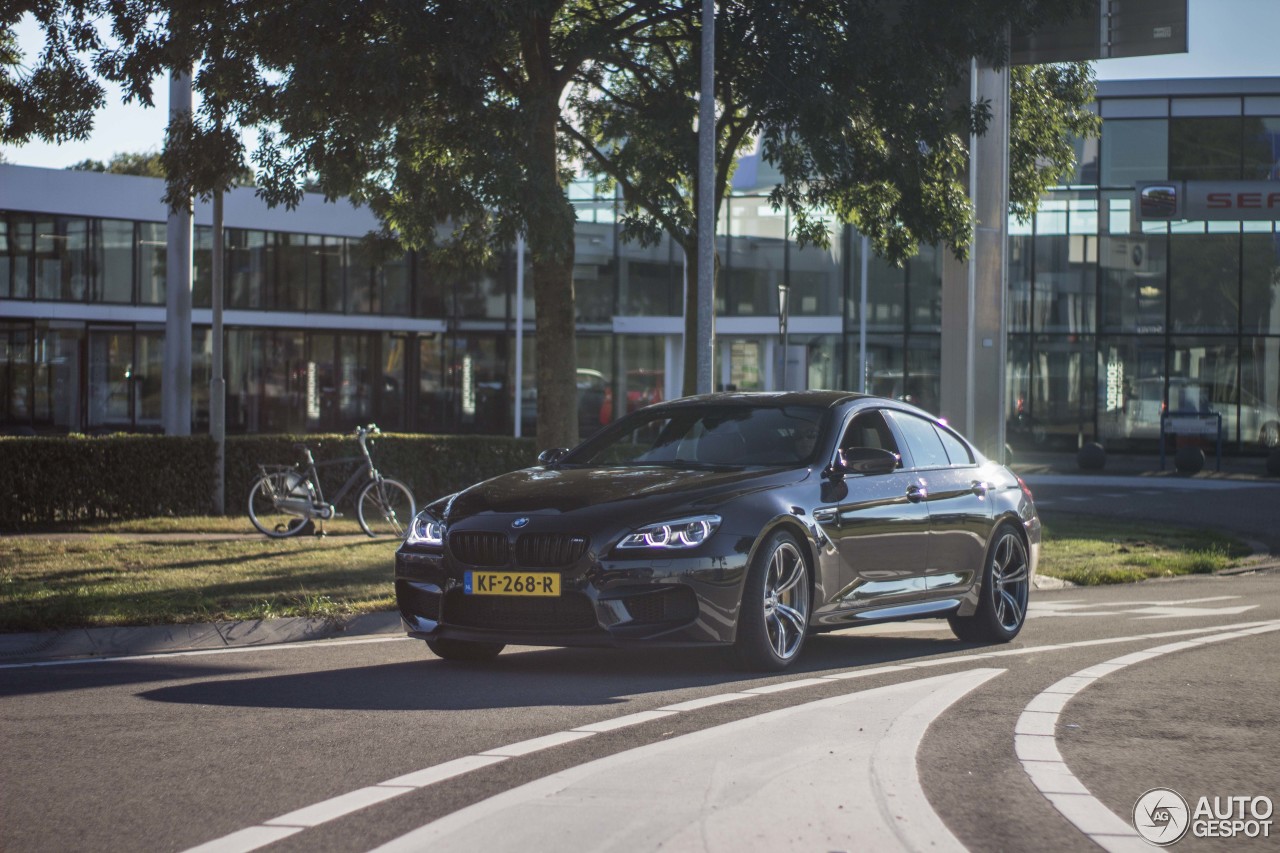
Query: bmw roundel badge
point(520, 522)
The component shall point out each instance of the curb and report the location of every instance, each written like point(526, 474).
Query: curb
point(94, 643)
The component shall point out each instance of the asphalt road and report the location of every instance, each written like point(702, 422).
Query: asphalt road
point(176, 752)
point(1248, 508)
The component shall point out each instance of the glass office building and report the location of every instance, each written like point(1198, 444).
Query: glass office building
point(1110, 321)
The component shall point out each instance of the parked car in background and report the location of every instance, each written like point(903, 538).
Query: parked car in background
point(644, 388)
point(1143, 405)
point(743, 520)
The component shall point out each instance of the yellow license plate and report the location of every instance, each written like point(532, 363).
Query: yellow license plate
point(512, 583)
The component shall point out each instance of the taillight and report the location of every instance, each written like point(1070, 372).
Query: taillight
point(1026, 490)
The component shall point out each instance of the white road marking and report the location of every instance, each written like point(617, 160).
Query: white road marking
point(537, 744)
point(338, 806)
point(722, 787)
point(247, 839)
point(265, 833)
point(1176, 609)
point(1035, 743)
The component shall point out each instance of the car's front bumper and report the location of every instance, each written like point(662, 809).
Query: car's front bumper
point(655, 600)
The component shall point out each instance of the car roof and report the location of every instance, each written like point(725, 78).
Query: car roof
point(769, 399)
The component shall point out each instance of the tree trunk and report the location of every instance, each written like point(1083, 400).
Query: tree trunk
point(550, 232)
point(556, 351)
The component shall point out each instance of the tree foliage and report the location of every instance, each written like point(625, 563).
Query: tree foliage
point(147, 164)
point(56, 96)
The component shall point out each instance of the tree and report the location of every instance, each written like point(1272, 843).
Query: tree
point(53, 99)
point(855, 104)
point(145, 164)
point(148, 164)
point(448, 121)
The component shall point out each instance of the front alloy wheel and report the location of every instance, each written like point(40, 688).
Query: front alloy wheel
point(1006, 586)
point(775, 605)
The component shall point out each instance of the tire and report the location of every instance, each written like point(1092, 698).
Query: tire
point(1269, 435)
point(273, 522)
point(463, 650)
point(386, 508)
point(1006, 585)
point(776, 603)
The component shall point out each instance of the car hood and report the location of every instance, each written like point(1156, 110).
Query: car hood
point(619, 493)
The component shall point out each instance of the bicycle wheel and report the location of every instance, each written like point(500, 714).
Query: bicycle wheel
point(268, 492)
point(386, 508)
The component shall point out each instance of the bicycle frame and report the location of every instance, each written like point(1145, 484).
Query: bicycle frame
point(359, 476)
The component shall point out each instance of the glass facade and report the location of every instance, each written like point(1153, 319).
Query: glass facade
point(1111, 321)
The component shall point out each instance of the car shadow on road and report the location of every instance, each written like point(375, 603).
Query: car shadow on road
point(543, 677)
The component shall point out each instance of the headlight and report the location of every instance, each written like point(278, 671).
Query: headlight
point(425, 530)
point(681, 533)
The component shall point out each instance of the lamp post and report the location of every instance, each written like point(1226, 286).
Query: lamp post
point(784, 314)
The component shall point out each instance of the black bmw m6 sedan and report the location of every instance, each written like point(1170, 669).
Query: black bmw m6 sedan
point(744, 520)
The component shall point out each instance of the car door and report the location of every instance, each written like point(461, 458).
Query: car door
point(959, 511)
point(879, 525)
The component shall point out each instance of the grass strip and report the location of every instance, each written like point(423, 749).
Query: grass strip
point(112, 580)
point(1090, 551)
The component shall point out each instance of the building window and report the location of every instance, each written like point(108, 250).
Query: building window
point(116, 280)
point(1204, 281)
point(202, 267)
point(1134, 150)
point(1205, 149)
point(651, 279)
point(17, 238)
point(1260, 257)
point(152, 264)
point(1261, 149)
point(65, 266)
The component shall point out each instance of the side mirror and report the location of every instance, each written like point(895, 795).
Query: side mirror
point(550, 457)
point(863, 461)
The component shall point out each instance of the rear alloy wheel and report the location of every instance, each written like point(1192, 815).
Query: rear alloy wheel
point(1269, 435)
point(775, 605)
point(462, 650)
point(1006, 585)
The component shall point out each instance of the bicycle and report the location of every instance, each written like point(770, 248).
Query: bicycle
point(285, 498)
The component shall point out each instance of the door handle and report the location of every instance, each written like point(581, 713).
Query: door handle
point(824, 515)
point(916, 493)
point(979, 488)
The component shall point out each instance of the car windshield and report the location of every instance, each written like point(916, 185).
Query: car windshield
point(707, 436)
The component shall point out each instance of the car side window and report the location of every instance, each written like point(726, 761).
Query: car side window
point(922, 440)
point(957, 451)
point(868, 429)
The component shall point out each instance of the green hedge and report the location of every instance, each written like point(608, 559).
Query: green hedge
point(53, 480)
point(47, 480)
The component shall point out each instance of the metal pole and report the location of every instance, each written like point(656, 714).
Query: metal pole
point(862, 319)
point(519, 402)
point(784, 312)
point(218, 382)
point(706, 200)
point(175, 400)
